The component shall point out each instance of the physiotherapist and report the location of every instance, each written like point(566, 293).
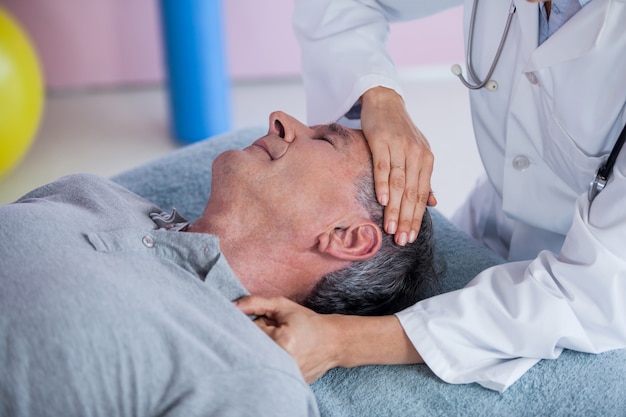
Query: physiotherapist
point(547, 85)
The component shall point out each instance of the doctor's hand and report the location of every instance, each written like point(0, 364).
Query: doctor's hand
point(403, 162)
point(310, 338)
point(319, 342)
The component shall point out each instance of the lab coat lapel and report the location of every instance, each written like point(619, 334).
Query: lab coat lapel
point(576, 37)
point(528, 20)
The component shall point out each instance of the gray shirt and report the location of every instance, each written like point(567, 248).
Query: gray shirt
point(105, 312)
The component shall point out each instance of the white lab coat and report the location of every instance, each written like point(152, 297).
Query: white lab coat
point(555, 116)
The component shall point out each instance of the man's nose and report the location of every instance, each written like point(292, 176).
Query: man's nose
point(283, 125)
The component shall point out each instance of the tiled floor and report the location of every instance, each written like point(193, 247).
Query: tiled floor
point(107, 131)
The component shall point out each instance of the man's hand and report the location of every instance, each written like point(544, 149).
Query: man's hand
point(403, 162)
point(310, 338)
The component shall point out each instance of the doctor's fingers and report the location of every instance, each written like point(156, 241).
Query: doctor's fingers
point(281, 318)
point(417, 202)
point(271, 307)
point(276, 331)
point(302, 343)
point(410, 192)
point(402, 159)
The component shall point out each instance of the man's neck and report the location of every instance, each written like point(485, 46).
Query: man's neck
point(265, 262)
point(267, 268)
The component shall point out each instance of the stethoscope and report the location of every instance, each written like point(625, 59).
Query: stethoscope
point(487, 82)
point(604, 172)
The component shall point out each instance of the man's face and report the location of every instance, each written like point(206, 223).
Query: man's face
point(295, 181)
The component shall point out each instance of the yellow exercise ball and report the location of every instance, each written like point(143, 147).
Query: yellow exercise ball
point(21, 93)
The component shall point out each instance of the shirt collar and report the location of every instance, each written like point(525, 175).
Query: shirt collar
point(561, 12)
point(197, 253)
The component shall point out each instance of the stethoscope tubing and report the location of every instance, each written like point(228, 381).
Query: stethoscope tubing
point(478, 83)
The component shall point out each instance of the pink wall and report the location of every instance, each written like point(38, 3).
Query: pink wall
point(112, 42)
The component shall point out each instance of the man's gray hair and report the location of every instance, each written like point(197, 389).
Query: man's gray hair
point(396, 277)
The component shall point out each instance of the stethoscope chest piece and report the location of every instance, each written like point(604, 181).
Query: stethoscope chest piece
point(597, 185)
point(491, 85)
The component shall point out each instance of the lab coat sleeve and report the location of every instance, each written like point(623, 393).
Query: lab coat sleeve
point(511, 316)
point(343, 49)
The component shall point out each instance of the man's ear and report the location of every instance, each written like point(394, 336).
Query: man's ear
point(353, 243)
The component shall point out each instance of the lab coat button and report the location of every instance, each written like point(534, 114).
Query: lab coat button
point(148, 241)
point(532, 78)
point(521, 163)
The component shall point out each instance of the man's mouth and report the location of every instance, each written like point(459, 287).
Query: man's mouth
point(261, 144)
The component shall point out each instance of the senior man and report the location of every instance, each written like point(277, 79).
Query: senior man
point(110, 306)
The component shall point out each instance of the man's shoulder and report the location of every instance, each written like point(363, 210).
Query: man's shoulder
point(75, 186)
point(88, 192)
